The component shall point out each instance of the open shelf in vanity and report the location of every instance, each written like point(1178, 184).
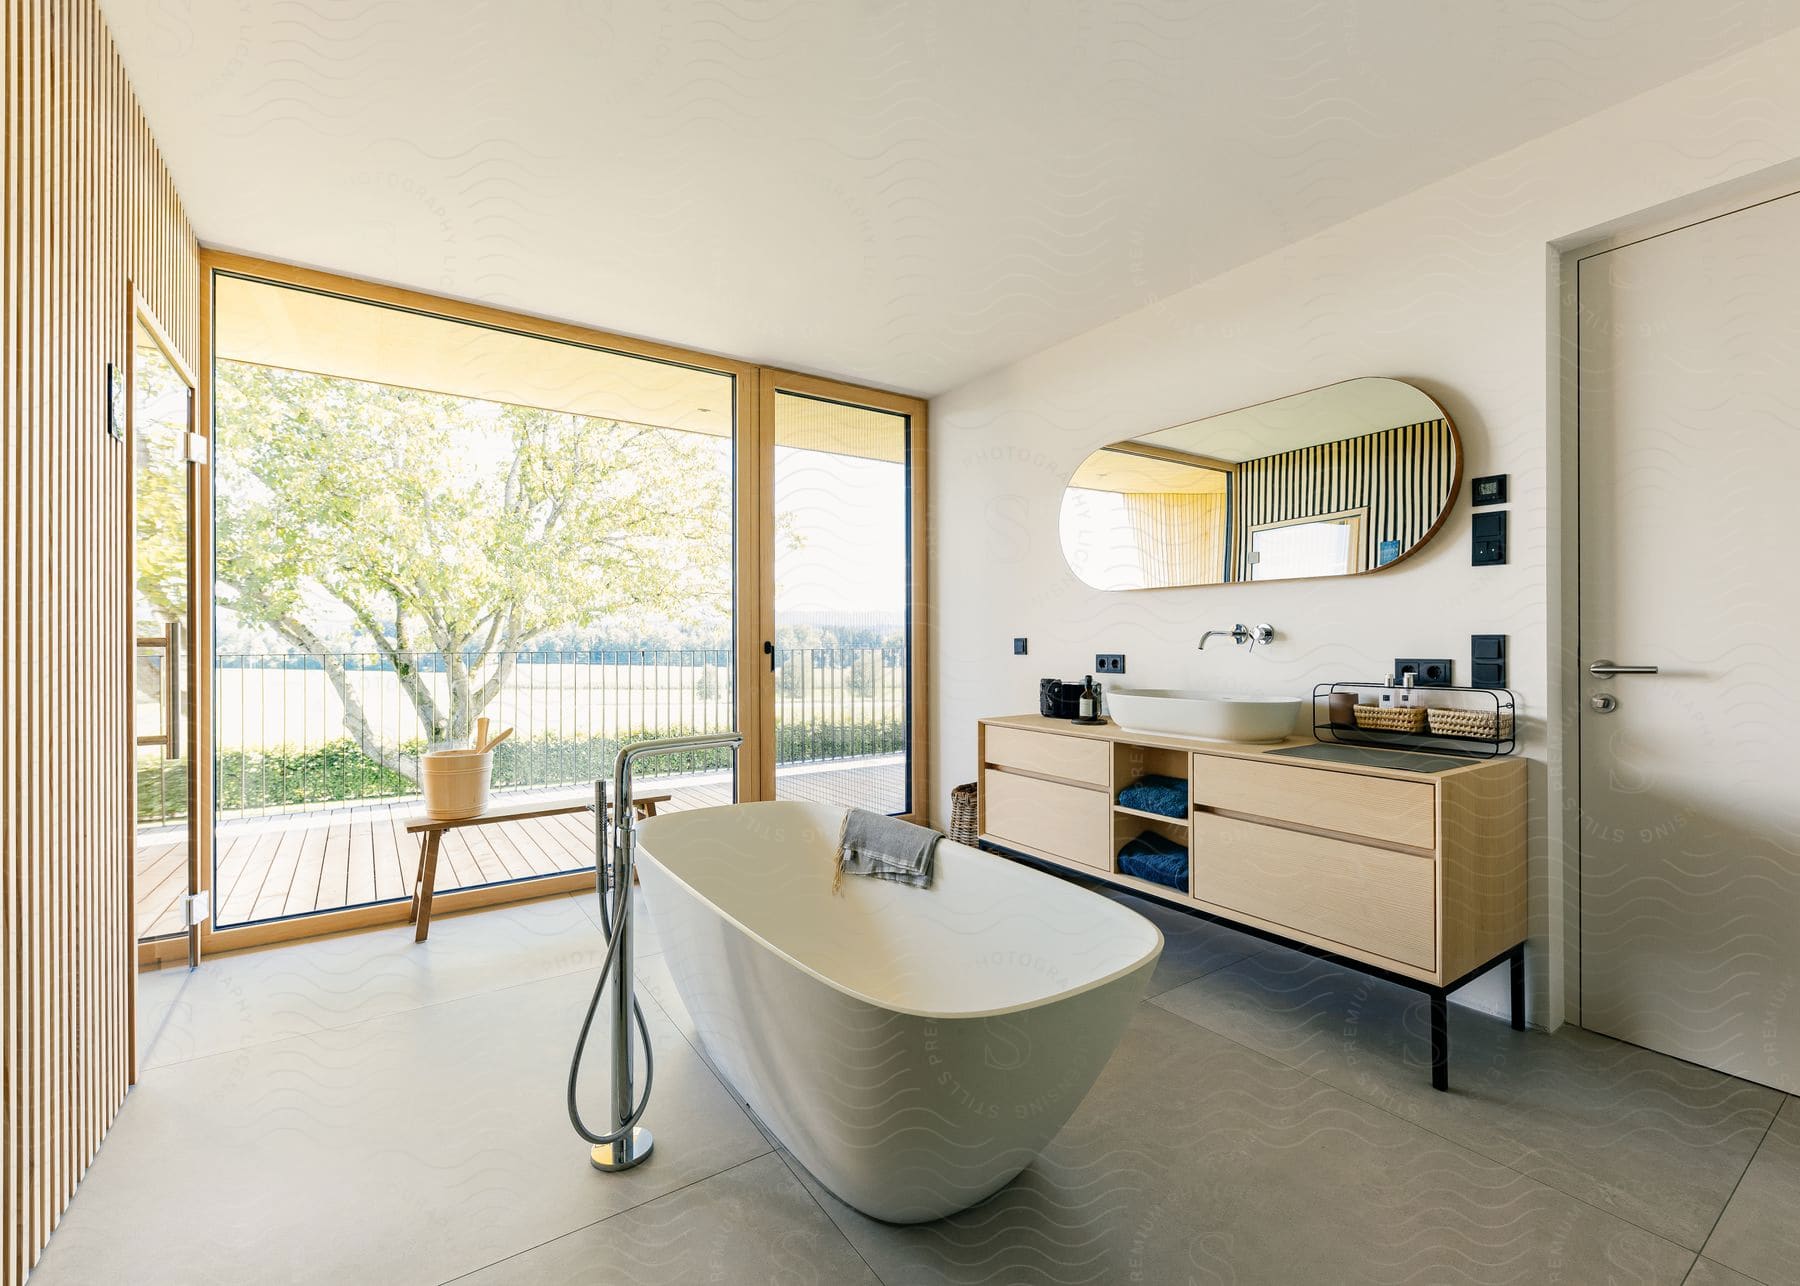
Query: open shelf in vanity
point(1131, 763)
point(1418, 876)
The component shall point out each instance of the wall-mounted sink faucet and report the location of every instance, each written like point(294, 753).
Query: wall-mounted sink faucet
point(1242, 634)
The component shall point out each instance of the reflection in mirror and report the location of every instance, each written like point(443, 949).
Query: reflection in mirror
point(1330, 545)
point(1332, 482)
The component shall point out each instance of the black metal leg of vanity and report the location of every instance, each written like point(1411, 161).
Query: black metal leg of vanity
point(1440, 1039)
point(1440, 1011)
point(1518, 987)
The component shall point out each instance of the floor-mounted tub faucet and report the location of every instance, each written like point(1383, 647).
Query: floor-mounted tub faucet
point(624, 1143)
point(1241, 634)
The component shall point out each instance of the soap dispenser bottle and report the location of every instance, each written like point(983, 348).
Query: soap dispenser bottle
point(1090, 701)
point(1409, 696)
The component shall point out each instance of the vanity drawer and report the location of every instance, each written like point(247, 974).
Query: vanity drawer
point(1370, 899)
point(1070, 822)
point(1051, 755)
point(1377, 808)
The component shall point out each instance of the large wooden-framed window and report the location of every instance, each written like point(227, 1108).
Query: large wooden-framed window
point(867, 684)
point(842, 593)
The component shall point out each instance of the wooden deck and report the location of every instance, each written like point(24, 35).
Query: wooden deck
point(294, 863)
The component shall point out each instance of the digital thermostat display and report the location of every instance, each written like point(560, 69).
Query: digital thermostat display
point(1490, 490)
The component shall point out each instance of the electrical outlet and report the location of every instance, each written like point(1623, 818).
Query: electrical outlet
point(1019, 647)
point(1109, 663)
point(1428, 672)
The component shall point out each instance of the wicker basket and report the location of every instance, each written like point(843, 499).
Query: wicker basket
point(1391, 718)
point(962, 814)
point(1489, 725)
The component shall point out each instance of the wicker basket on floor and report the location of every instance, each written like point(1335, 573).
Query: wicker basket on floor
point(962, 814)
point(1391, 718)
point(1489, 725)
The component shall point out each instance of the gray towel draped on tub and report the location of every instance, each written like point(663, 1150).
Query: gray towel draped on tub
point(886, 848)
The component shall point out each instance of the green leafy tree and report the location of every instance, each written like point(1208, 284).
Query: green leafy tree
point(457, 529)
point(159, 484)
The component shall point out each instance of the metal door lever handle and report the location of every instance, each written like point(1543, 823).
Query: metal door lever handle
point(1606, 669)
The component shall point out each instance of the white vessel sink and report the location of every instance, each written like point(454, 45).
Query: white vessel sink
point(1207, 715)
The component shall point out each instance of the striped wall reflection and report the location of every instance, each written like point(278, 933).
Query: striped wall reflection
point(90, 213)
point(1401, 478)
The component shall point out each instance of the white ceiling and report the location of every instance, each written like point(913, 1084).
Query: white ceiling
point(907, 193)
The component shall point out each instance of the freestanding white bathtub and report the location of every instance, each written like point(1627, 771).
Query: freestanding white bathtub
point(913, 1048)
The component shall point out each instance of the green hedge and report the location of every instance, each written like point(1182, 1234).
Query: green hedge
point(341, 771)
point(251, 779)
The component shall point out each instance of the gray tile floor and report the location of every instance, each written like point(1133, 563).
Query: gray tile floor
point(367, 1110)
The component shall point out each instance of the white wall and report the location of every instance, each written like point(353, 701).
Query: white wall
point(1452, 288)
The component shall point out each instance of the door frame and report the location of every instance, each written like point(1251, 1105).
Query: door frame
point(188, 944)
point(198, 607)
point(1564, 814)
point(917, 616)
point(753, 582)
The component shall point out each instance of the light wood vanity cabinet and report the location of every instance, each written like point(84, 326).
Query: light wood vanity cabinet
point(1420, 876)
point(1085, 761)
point(1061, 819)
point(1299, 793)
point(1351, 896)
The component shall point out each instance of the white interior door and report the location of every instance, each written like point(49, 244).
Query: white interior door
point(1690, 562)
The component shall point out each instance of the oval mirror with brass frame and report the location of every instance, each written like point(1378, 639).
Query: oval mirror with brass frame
point(1336, 481)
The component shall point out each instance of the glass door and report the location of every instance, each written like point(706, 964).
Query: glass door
point(164, 455)
point(424, 515)
point(425, 526)
point(843, 610)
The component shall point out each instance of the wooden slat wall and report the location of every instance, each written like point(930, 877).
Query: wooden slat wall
point(1406, 477)
point(90, 212)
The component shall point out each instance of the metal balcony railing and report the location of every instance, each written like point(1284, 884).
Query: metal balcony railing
point(298, 730)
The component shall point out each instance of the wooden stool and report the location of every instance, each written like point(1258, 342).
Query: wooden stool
point(431, 839)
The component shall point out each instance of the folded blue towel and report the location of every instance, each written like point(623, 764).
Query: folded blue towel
point(1156, 857)
point(1164, 796)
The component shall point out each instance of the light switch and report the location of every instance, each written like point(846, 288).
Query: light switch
point(1487, 657)
point(1489, 539)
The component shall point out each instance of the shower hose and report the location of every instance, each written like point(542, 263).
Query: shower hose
point(612, 920)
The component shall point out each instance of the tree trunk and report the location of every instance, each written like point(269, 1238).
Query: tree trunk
point(356, 722)
point(450, 722)
point(356, 717)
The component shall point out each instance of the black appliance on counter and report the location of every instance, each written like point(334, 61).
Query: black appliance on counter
point(1059, 698)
